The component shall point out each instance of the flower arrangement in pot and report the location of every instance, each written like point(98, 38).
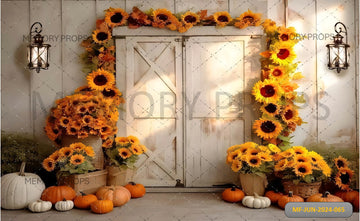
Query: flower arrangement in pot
point(122, 155)
point(253, 162)
point(301, 170)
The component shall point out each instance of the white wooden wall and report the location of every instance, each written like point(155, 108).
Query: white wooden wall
point(331, 111)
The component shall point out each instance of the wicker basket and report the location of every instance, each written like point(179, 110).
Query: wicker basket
point(302, 189)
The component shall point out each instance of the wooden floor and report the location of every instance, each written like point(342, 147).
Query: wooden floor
point(167, 207)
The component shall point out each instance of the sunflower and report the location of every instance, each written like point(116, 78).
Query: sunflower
point(265, 156)
point(282, 53)
point(253, 161)
point(267, 91)
point(133, 139)
point(281, 165)
point(71, 130)
point(222, 18)
point(77, 159)
point(123, 141)
point(270, 109)
point(124, 153)
point(111, 92)
point(108, 143)
point(52, 131)
point(343, 178)
point(273, 148)
point(278, 157)
point(299, 150)
point(190, 18)
point(77, 146)
point(324, 167)
point(341, 162)
point(116, 17)
point(49, 164)
point(106, 130)
point(81, 109)
point(288, 153)
point(266, 128)
point(233, 148)
point(64, 121)
point(56, 156)
point(269, 26)
point(300, 158)
point(278, 72)
point(289, 114)
point(136, 149)
point(89, 151)
point(288, 88)
point(161, 17)
point(88, 120)
point(253, 152)
point(314, 157)
point(236, 165)
point(232, 156)
point(144, 149)
point(66, 151)
point(286, 34)
point(264, 148)
point(303, 169)
point(90, 107)
point(100, 80)
point(84, 88)
point(248, 19)
point(101, 36)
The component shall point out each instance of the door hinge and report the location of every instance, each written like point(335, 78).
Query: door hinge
point(179, 184)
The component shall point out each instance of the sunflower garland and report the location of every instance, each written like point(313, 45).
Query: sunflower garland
point(248, 19)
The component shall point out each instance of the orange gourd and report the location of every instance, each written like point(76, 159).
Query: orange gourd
point(274, 196)
point(136, 190)
point(102, 206)
point(233, 195)
point(55, 194)
point(356, 203)
point(289, 198)
point(347, 196)
point(325, 197)
point(119, 195)
point(84, 201)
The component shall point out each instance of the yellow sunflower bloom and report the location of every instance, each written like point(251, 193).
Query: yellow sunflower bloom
point(161, 17)
point(253, 151)
point(281, 165)
point(100, 80)
point(300, 150)
point(101, 36)
point(248, 19)
point(77, 159)
point(123, 141)
point(253, 161)
point(288, 153)
point(108, 143)
point(282, 53)
point(303, 169)
point(116, 17)
point(133, 140)
point(71, 130)
point(266, 128)
point(233, 148)
point(64, 121)
point(301, 158)
point(264, 149)
point(89, 151)
point(222, 18)
point(289, 114)
point(314, 157)
point(278, 73)
point(267, 91)
point(232, 156)
point(144, 149)
point(343, 178)
point(136, 149)
point(278, 157)
point(124, 153)
point(269, 26)
point(84, 88)
point(324, 167)
point(341, 162)
point(56, 156)
point(265, 157)
point(274, 148)
point(77, 146)
point(236, 165)
point(66, 151)
point(49, 164)
point(270, 109)
point(190, 18)
point(287, 34)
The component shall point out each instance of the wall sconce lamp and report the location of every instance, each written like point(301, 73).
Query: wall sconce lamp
point(338, 52)
point(37, 52)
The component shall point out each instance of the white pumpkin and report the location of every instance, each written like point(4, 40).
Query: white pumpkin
point(20, 189)
point(64, 205)
point(40, 206)
point(256, 201)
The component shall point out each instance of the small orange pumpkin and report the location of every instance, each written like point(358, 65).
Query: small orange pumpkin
point(274, 196)
point(289, 198)
point(325, 197)
point(233, 194)
point(102, 206)
point(356, 203)
point(84, 201)
point(347, 196)
point(55, 194)
point(119, 195)
point(136, 190)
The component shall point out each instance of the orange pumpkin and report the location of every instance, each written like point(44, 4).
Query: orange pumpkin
point(289, 198)
point(347, 196)
point(356, 203)
point(274, 196)
point(84, 201)
point(233, 195)
point(119, 195)
point(55, 194)
point(102, 206)
point(325, 197)
point(136, 190)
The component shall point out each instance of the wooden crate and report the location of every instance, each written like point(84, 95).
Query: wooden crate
point(119, 177)
point(86, 183)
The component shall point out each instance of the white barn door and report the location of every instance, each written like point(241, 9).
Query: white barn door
point(215, 115)
point(154, 107)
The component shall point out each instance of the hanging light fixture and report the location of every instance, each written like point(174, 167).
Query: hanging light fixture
point(338, 52)
point(37, 53)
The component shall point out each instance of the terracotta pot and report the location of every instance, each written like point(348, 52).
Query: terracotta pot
point(119, 176)
point(252, 183)
point(95, 142)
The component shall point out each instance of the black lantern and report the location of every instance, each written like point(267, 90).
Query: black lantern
point(38, 53)
point(338, 52)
